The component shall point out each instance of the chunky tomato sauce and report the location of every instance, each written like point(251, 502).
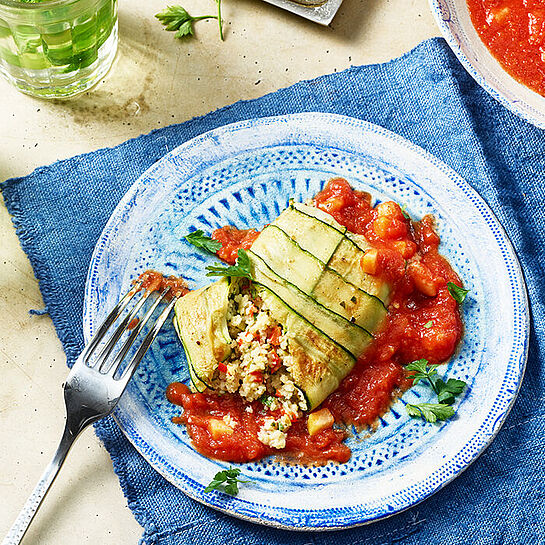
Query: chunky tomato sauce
point(155, 281)
point(233, 239)
point(242, 445)
point(514, 32)
point(423, 322)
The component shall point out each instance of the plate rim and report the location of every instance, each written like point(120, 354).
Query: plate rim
point(263, 518)
point(520, 108)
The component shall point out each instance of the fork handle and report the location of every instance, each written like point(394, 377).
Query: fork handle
point(21, 524)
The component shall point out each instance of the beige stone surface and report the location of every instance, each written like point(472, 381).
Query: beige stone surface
point(156, 80)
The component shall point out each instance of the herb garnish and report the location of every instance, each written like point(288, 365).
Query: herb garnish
point(240, 269)
point(177, 18)
point(200, 240)
point(404, 212)
point(422, 371)
point(226, 481)
point(458, 294)
point(427, 325)
point(266, 400)
point(446, 392)
point(430, 412)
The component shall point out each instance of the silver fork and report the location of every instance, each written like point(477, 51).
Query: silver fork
point(93, 388)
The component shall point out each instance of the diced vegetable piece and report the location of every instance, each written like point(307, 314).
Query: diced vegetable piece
point(369, 261)
point(218, 428)
point(319, 421)
point(422, 278)
point(405, 247)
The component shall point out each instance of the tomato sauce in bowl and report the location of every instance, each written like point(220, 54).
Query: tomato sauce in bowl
point(514, 32)
point(423, 321)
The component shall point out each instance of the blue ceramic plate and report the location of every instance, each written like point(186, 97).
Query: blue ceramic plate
point(244, 174)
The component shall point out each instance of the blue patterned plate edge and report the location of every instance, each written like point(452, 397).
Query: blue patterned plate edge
point(332, 519)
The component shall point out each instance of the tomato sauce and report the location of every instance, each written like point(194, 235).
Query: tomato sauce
point(423, 321)
point(514, 32)
point(233, 239)
point(242, 445)
point(155, 281)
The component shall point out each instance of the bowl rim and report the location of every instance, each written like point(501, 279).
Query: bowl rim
point(519, 107)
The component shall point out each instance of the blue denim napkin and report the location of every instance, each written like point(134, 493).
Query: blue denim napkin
point(425, 96)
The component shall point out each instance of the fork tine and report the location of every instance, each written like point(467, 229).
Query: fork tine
point(113, 368)
point(106, 350)
point(110, 319)
point(148, 339)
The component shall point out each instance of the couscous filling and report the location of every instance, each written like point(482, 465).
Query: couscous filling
point(259, 367)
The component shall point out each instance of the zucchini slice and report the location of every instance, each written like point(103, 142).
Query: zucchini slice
point(197, 385)
point(288, 260)
point(348, 301)
point(319, 215)
point(346, 261)
point(351, 336)
point(200, 318)
point(318, 364)
point(312, 235)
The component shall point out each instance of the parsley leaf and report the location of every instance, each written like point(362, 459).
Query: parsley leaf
point(226, 481)
point(427, 325)
point(176, 18)
point(200, 240)
point(241, 269)
point(446, 392)
point(458, 294)
point(422, 371)
point(431, 412)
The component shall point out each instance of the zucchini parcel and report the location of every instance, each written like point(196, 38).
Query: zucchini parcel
point(308, 290)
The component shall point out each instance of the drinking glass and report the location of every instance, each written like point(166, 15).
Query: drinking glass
point(56, 48)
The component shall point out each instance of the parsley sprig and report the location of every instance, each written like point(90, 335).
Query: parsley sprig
point(430, 412)
point(200, 240)
point(176, 18)
point(458, 294)
point(227, 481)
point(241, 268)
point(446, 392)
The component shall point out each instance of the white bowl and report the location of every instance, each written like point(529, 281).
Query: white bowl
point(454, 20)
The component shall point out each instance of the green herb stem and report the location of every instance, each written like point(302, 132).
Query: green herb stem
point(220, 20)
point(242, 267)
